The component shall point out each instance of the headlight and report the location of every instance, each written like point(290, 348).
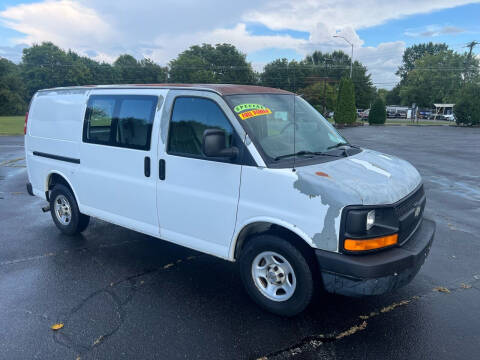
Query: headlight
point(368, 228)
point(370, 219)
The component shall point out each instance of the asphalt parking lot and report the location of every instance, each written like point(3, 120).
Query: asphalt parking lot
point(121, 294)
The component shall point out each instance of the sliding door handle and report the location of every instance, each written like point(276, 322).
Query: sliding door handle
point(146, 166)
point(161, 169)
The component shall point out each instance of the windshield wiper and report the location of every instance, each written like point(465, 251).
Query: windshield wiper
point(342, 144)
point(303, 152)
point(338, 145)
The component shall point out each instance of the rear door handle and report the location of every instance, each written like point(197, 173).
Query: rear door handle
point(161, 169)
point(146, 166)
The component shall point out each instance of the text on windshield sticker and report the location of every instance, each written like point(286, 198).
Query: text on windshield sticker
point(252, 113)
point(242, 107)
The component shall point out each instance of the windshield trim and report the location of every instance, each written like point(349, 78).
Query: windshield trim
point(286, 162)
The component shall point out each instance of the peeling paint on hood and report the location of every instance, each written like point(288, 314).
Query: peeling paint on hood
point(375, 177)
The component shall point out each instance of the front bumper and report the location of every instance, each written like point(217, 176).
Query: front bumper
point(375, 274)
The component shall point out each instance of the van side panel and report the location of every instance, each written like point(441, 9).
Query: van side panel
point(112, 183)
point(54, 132)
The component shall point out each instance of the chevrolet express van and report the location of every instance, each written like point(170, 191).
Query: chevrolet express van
point(245, 173)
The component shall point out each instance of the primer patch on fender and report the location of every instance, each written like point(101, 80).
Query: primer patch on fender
point(327, 238)
point(372, 167)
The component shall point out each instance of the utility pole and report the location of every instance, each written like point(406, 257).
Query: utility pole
point(470, 45)
point(325, 86)
point(351, 57)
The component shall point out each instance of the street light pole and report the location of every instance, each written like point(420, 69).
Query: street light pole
point(351, 58)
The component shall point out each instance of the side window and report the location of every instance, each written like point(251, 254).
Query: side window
point(123, 120)
point(134, 124)
point(99, 119)
point(191, 116)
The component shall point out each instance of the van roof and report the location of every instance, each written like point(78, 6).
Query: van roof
point(221, 89)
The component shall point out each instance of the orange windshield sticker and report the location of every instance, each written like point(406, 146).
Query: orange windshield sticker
point(252, 113)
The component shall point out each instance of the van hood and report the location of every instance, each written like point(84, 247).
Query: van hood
point(374, 177)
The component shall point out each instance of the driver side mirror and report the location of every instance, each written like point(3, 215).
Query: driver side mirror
point(213, 145)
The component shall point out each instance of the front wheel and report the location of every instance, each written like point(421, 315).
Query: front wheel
point(64, 211)
point(276, 275)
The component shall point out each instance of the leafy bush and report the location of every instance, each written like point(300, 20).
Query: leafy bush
point(12, 90)
point(467, 108)
point(346, 112)
point(378, 112)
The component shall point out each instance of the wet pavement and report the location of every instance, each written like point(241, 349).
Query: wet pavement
point(121, 294)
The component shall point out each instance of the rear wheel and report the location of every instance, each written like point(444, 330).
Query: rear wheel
point(276, 275)
point(64, 211)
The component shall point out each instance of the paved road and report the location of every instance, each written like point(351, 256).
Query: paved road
point(122, 294)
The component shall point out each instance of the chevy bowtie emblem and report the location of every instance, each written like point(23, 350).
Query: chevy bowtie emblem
point(417, 210)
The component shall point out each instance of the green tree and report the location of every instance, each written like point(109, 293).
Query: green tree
point(436, 79)
point(221, 63)
point(416, 52)
point(346, 112)
point(364, 89)
point(128, 70)
point(46, 65)
point(12, 90)
point(393, 96)
point(284, 74)
point(95, 73)
point(378, 112)
point(467, 107)
point(382, 93)
point(319, 94)
point(152, 73)
point(336, 65)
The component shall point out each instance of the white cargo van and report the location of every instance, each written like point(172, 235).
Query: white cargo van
point(246, 173)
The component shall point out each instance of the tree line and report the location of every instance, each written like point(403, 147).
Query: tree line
point(317, 77)
point(429, 73)
point(433, 73)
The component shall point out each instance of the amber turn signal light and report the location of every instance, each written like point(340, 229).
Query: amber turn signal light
point(370, 244)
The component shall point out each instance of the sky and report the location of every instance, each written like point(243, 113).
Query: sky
point(264, 30)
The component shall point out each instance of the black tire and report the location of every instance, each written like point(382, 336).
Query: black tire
point(77, 222)
point(304, 288)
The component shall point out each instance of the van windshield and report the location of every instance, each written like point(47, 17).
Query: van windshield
point(269, 121)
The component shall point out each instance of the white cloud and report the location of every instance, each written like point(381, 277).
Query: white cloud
point(162, 29)
point(306, 14)
point(382, 61)
point(247, 43)
point(66, 23)
point(433, 31)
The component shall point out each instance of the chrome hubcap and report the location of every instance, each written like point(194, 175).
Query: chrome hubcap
point(273, 276)
point(63, 211)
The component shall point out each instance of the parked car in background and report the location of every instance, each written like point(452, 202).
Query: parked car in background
point(449, 117)
point(250, 174)
point(364, 114)
point(391, 114)
point(424, 114)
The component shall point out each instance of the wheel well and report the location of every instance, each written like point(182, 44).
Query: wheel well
point(53, 180)
point(251, 230)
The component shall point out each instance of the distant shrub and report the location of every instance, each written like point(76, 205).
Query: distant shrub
point(346, 112)
point(378, 112)
point(467, 108)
